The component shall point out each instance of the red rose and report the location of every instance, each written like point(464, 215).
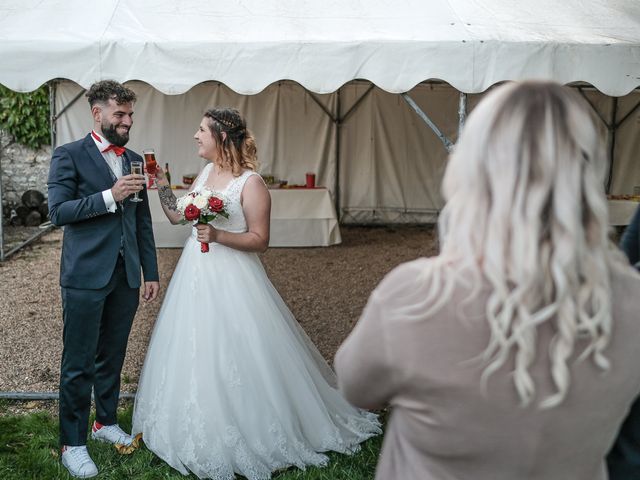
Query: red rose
point(216, 205)
point(191, 212)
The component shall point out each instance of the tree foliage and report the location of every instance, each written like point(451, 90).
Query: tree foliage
point(26, 116)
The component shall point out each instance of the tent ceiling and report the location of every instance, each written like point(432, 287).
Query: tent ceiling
point(321, 44)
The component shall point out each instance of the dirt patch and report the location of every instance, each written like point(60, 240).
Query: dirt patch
point(13, 236)
point(326, 289)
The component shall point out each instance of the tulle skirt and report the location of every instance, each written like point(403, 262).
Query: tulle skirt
point(231, 383)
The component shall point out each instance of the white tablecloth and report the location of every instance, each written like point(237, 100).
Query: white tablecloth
point(299, 218)
point(621, 211)
point(303, 218)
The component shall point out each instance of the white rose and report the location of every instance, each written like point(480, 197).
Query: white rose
point(183, 202)
point(200, 201)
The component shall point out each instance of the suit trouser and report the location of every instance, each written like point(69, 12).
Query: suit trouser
point(96, 329)
point(623, 460)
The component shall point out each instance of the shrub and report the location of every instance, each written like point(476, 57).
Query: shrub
point(26, 116)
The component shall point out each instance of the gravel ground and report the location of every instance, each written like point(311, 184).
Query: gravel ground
point(326, 289)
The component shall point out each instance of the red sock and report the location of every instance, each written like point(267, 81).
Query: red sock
point(97, 426)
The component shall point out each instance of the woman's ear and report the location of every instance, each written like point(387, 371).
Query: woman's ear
point(224, 136)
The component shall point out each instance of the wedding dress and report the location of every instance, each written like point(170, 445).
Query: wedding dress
point(231, 383)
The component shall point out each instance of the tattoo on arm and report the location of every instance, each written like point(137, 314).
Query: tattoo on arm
point(167, 198)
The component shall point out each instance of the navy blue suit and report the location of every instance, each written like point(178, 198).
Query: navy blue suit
point(623, 461)
point(103, 254)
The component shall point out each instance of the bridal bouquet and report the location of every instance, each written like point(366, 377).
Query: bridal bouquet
point(202, 207)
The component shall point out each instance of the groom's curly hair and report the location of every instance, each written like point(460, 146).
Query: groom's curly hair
point(101, 92)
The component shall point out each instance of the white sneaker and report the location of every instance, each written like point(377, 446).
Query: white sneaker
point(78, 462)
point(110, 434)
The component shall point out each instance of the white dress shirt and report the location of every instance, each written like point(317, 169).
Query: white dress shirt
point(114, 162)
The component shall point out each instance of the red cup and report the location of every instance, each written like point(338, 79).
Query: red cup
point(311, 180)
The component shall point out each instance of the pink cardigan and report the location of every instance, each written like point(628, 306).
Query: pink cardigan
point(444, 427)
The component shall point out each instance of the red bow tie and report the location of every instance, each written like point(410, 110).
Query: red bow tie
point(117, 150)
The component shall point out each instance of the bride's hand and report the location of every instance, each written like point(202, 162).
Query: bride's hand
point(160, 175)
point(206, 233)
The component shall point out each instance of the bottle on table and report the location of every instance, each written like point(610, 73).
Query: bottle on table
point(166, 173)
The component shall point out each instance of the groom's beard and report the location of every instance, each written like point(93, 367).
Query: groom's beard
point(109, 130)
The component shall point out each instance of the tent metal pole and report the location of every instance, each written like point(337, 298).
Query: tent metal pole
point(612, 128)
point(47, 395)
point(64, 109)
point(443, 138)
point(1, 212)
point(357, 104)
point(612, 142)
point(337, 122)
point(593, 107)
point(631, 112)
point(335, 119)
point(462, 112)
point(52, 113)
point(44, 228)
point(47, 226)
point(322, 107)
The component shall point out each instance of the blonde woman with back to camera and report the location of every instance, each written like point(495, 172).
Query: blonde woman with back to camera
point(513, 354)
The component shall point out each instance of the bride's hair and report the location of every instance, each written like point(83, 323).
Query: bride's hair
point(526, 212)
point(237, 148)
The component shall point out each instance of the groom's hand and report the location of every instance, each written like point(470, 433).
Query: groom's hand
point(151, 290)
point(126, 185)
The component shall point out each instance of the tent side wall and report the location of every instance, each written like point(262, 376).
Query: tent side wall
point(292, 132)
point(626, 164)
point(391, 164)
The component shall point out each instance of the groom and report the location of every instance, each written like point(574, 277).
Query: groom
point(107, 241)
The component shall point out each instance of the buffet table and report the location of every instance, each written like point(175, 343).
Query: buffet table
point(299, 218)
point(303, 218)
point(621, 211)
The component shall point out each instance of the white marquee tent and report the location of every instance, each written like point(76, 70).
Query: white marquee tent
point(327, 86)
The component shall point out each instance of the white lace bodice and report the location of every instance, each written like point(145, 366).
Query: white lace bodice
point(231, 194)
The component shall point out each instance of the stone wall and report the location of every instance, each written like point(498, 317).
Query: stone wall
point(22, 169)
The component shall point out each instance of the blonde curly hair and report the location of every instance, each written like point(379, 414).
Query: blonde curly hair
point(526, 212)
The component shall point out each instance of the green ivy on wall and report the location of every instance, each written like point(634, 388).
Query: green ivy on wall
point(26, 116)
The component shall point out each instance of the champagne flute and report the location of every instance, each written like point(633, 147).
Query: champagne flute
point(136, 169)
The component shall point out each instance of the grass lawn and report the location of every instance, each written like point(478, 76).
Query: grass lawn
point(29, 450)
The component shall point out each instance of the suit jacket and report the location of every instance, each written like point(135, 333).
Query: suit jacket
point(630, 242)
point(623, 461)
point(93, 236)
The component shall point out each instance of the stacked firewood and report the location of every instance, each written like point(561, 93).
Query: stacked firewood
point(31, 212)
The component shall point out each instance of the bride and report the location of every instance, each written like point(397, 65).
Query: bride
point(231, 384)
